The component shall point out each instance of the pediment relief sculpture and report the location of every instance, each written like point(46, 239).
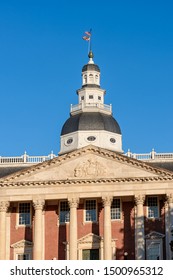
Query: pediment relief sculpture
point(90, 168)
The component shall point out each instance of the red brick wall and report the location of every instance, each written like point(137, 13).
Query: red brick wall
point(55, 236)
point(51, 233)
point(18, 233)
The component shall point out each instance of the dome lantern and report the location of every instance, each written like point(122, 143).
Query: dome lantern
point(91, 121)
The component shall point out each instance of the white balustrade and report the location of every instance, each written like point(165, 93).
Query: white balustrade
point(81, 106)
point(25, 159)
point(151, 156)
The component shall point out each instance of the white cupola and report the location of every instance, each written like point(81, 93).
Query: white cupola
point(91, 121)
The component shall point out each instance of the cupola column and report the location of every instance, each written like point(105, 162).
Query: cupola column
point(107, 200)
point(3, 211)
point(139, 227)
point(73, 204)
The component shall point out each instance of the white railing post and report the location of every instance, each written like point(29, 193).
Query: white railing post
point(152, 154)
point(129, 153)
point(51, 155)
point(25, 157)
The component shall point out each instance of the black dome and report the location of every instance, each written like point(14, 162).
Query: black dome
point(90, 121)
point(90, 67)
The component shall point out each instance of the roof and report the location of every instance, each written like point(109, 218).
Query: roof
point(7, 170)
point(90, 67)
point(163, 164)
point(90, 121)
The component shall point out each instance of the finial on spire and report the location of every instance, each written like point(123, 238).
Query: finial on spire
point(91, 55)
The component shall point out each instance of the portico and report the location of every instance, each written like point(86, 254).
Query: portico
point(89, 202)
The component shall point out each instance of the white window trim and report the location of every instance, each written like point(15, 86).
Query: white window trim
point(114, 220)
point(154, 237)
point(17, 215)
point(158, 205)
point(84, 218)
point(63, 223)
point(22, 247)
point(154, 241)
point(25, 253)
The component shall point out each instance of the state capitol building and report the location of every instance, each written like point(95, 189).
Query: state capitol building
point(92, 201)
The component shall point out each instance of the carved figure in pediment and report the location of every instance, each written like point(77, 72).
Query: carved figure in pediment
point(89, 168)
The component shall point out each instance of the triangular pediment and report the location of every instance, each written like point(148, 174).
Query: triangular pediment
point(89, 238)
point(88, 163)
point(22, 244)
point(154, 235)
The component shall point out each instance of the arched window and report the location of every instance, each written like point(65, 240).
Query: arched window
point(97, 79)
point(85, 79)
point(91, 78)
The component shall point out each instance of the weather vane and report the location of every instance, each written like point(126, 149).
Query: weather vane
point(87, 37)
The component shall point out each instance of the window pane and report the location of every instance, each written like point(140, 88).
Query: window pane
point(153, 207)
point(90, 210)
point(115, 209)
point(22, 257)
point(64, 212)
point(153, 252)
point(24, 214)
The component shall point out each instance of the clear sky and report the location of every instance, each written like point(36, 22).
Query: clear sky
point(42, 54)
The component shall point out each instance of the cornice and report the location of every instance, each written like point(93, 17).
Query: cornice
point(69, 182)
point(96, 151)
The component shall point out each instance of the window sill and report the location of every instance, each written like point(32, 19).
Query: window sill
point(23, 226)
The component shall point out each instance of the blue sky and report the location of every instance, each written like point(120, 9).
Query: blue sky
point(42, 54)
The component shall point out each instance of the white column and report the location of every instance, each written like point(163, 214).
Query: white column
point(139, 228)
point(167, 238)
point(38, 229)
point(73, 203)
point(169, 225)
point(3, 210)
point(8, 233)
point(107, 228)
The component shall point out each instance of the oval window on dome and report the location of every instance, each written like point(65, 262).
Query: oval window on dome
point(91, 138)
point(69, 141)
point(113, 140)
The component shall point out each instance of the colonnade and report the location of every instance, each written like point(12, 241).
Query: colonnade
point(73, 238)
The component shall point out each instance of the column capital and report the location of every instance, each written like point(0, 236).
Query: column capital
point(139, 199)
point(38, 204)
point(169, 197)
point(4, 206)
point(107, 200)
point(73, 202)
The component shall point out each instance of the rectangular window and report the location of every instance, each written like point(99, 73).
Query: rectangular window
point(116, 209)
point(90, 211)
point(154, 250)
point(64, 216)
point(24, 213)
point(82, 97)
point(90, 96)
point(99, 98)
point(153, 207)
point(22, 257)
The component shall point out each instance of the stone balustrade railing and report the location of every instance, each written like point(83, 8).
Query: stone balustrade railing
point(78, 107)
point(26, 159)
point(150, 156)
